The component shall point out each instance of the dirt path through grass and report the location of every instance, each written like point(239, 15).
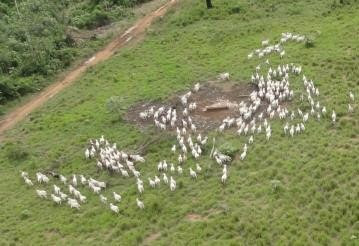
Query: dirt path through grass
point(121, 40)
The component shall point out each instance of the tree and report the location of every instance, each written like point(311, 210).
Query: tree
point(114, 106)
point(209, 4)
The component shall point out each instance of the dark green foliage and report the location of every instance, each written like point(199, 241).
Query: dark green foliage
point(309, 42)
point(12, 87)
point(342, 3)
point(25, 214)
point(36, 40)
point(235, 10)
point(96, 19)
point(228, 149)
point(209, 4)
point(15, 152)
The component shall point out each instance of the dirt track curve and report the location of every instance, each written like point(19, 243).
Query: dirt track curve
point(130, 34)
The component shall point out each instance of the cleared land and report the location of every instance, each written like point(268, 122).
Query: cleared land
point(317, 202)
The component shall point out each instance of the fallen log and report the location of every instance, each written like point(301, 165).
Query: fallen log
point(220, 106)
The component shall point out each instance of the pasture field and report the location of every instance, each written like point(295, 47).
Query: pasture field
point(317, 200)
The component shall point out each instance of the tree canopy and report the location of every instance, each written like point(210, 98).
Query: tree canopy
point(36, 42)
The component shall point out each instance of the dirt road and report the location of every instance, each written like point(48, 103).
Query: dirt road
point(129, 35)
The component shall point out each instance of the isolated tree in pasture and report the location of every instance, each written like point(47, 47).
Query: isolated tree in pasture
point(114, 106)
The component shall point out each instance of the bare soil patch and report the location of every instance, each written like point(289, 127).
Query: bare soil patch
point(51, 234)
point(195, 217)
point(210, 93)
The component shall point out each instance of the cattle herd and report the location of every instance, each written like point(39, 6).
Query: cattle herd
point(271, 99)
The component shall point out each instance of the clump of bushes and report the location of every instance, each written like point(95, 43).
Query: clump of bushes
point(93, 20)
point(228, 149)
point(115, 106)
point(15, 152)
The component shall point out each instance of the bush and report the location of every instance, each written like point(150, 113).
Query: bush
point(114, 105)
point(7, 61)
point(180, 184)
point(276, 185)
point(309, 42)
point(25, 214)
point(228, 149)
point(7, 89)
point(15, 152)
point(11, 88)
point(93, 20)
point(156, 207)
point(235, 10)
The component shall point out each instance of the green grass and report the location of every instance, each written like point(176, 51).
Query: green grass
point(317, 202)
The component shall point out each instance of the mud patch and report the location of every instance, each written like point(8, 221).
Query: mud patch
point(210, 93)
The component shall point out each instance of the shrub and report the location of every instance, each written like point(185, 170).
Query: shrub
point(309, 42)
point(96, 19)
point(276, 185)
point(15, 152)
point(228, 149)
point(25, 214)
point(115, 106)
point(180, 184)
point(11, 88)
point(7, 89)
point(235, 10)
point(156, 207)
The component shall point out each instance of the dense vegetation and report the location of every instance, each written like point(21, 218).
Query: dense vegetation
point(37, 38)
point(317, 201)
